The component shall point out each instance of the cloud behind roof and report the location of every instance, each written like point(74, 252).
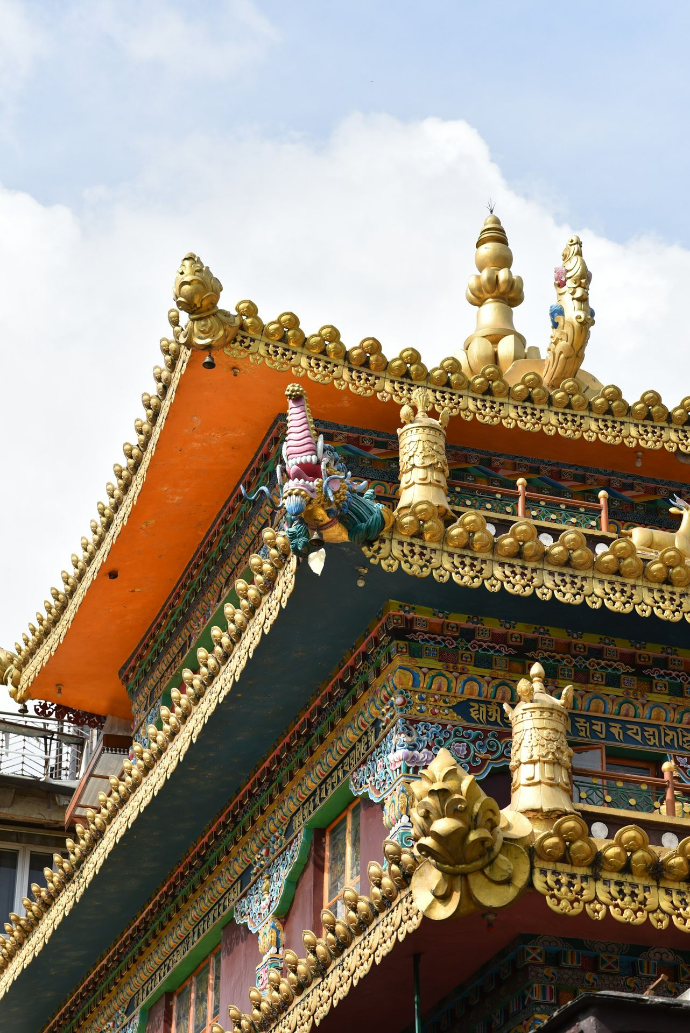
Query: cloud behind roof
point(372, 230)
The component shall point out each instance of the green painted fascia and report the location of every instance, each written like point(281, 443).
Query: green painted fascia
point(293, 876)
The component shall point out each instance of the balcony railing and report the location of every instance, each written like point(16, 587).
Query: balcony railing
point(41, 748)
point(646, 795)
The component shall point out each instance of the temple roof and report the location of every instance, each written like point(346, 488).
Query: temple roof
point(201, 428)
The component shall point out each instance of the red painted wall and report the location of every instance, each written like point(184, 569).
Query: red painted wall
point(161, 1015)
point(305, 910)
point(239, 958)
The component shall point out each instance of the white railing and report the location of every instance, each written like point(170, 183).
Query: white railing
point(41, 748)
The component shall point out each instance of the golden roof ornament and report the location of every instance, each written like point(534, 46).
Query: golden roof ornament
point(197, 292)
point(423, 503)
point(571, 316)
point(459, 832)
point(495, 290)
point(540, 759)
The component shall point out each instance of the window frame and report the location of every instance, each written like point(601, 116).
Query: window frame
point(212, 959)
point(24, 851)
point(332, 902)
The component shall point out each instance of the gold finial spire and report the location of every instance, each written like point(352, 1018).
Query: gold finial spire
point(495, 290)
point(540, 759)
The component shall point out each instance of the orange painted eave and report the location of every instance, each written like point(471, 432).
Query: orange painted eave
point(215, 425)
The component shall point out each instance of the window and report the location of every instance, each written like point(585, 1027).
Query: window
point(342, 858)
point(19, 867)
point(197, 1002)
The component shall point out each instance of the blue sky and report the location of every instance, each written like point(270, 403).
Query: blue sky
point(585, 104)
point(333, 159)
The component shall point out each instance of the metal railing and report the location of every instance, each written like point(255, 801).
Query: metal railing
point(41, 748)
point(646, 795)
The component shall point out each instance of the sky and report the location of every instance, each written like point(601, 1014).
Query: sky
point(333, 159)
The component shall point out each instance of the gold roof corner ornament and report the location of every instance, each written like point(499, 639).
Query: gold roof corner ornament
point(495, 290)
point(571, 316)
point(467, 864)
point(10, 675)
point(423, 503)
point(197, 292)
point(541, 758)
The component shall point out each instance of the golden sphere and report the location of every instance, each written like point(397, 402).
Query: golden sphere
point(418, 371)
point(631, 567)
point(473, 521)
point(619, 407)
point(377, 362)
point(656, 571)
point(253, 325)
point(533, 550)
point(397, 367)
point(370, 345)
point(552, 847)
point(531, 380)
point(410, 356)
point(581, 559)
point(335, 350)
point(424, 510)
point(540, 395)
point(632, 838)
point(599, 405)
point(499, 389)
point(315, 344)
point(482, 541)
point(406, 524)
point(432, 530)
point(274, 331)
point(659, 413)
point(650, 398)
point(457, 536)
point(582, 853)
point(479, 384)
point(679, 576)
point(578, 402)
point(289, 320)
point(677, 867)
point(571, 385)
point(560, 398)
point(451, 365)
point(331, 334)
point(519, 392)
point(611, 392)
point(622, 548)
point(507, 546)
point(438, 376)
point(458, 381)
point(557, 554)
point(606, 563)
point(524, 531)
point(613, 858)
point(679, 416)
point(573, 539)
point(638, 411)
point(246, 308)
point(296, 337)
point(357, 356)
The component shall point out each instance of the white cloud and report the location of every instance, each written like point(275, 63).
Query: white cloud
point(373, 231)
point(184, 38)
point(22, 42)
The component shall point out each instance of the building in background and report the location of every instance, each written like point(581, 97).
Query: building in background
point(366, 700)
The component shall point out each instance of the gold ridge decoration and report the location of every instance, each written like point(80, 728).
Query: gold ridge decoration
point(467, 865)
point(625, 877)
point(344, 953)
point(36, 648)
point(567, 570)
point(571, 316)
point(197, 292)
point(219, 668)
point(495, 291)
point(423, 502)
point(540, 759)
